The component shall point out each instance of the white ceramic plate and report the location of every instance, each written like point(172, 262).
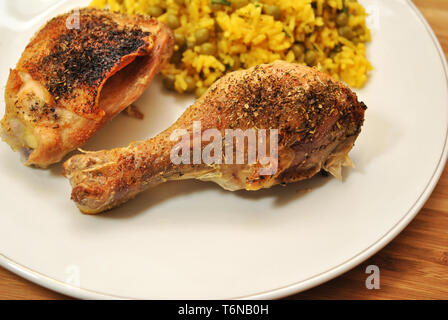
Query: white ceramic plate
point(194, 240)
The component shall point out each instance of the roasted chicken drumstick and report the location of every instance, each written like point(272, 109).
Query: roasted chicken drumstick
point(71, 80)
point(317, 118)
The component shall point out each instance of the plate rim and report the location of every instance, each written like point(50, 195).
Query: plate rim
point(297, 287)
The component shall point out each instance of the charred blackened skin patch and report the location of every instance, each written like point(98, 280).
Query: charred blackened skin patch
point(82, 58)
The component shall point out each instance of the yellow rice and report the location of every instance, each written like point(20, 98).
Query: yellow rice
point(246, 37)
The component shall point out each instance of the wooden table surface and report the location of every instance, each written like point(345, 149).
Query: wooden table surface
point(413, 266)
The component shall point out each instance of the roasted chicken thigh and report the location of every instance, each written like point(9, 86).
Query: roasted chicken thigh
point(317, 120)
point(71, 80)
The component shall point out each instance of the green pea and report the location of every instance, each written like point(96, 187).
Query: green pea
point(215, 6)
point(191, 84)
point(356, 40)
point(310, 57)
point(172, 21)
point(299, 50)
point(359, 30)
point(180, 39)
point(208, 49)
point(200, 91)
point(274, 11)
point(168, 82)
point(240, 3)
point(155, 11)
point(202, 35)
point(346, 32)
point(342, 19)
point(190, 44)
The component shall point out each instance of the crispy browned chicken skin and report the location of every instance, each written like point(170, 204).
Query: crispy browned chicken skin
point(318, 121)
point(70, 81)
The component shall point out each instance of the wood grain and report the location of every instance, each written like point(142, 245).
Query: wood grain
point(413, 266)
